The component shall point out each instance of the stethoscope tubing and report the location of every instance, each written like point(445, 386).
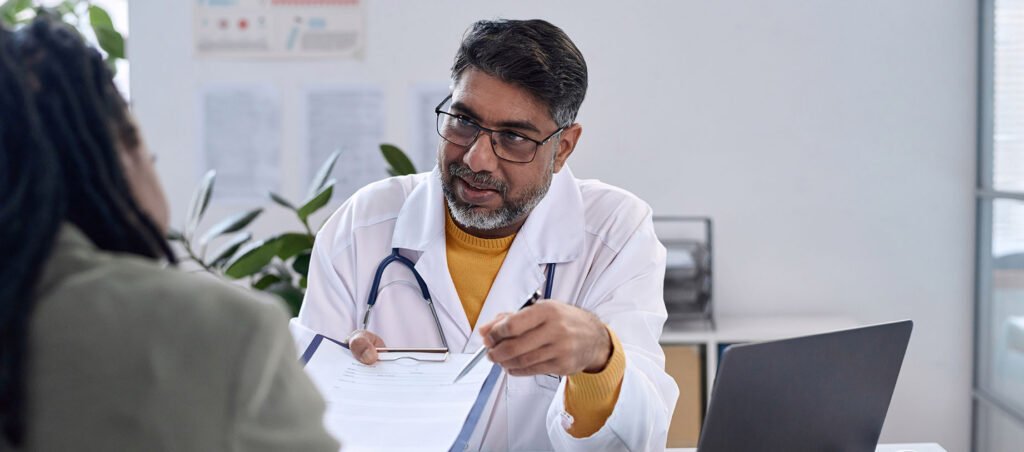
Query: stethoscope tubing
point(396, 257)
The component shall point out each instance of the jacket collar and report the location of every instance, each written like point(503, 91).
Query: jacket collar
point(553, 233)
point(70, 253)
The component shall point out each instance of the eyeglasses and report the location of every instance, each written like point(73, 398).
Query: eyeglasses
point(506, 144)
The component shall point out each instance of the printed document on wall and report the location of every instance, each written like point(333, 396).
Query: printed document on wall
point(240, 133)
point(425, 97)
point(349, 119)
point(279, 28)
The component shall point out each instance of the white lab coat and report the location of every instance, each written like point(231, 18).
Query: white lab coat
point(608, 262)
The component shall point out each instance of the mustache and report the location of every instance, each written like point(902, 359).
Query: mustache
point(484, 180)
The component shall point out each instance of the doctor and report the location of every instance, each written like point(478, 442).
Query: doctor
point(499, 218)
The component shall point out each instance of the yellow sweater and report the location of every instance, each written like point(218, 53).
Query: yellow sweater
point(473, 263)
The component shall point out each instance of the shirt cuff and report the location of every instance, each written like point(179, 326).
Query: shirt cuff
point(590, 397)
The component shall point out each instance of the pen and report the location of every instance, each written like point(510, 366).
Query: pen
point(483, 348)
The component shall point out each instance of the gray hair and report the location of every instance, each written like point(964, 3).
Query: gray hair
point(532, 54)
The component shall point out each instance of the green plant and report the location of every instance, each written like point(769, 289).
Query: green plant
point(77, 13)
point(278, 264)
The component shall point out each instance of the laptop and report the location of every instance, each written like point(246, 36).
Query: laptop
point(827, 392)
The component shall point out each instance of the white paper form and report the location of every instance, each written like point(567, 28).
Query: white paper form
point(241, 139)
point(425, 97)
point(394, 406)
point(349, 118)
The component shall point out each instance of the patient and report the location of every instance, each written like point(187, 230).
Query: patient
point(101, 346)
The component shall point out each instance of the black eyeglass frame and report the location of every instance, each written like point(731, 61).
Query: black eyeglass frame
point(480, 129)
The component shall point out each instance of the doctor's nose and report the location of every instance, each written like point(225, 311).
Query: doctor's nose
point(480, 156)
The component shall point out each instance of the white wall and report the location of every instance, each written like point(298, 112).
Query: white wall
point(832, 141)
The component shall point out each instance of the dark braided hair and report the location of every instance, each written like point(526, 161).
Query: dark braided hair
point(63, 127)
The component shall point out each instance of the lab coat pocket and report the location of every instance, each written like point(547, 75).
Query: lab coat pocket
point(528, 401)
point(549, 382)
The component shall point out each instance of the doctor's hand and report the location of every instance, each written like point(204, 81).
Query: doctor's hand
point(363, 345)
point(548, 338)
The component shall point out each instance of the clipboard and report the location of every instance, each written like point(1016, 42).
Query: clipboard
point(476, 411)
point(423, 354)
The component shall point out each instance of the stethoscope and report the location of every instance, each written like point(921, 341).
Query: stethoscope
point(396, 257)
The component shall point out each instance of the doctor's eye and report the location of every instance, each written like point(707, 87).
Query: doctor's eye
point(511, 137)
point(465, 122)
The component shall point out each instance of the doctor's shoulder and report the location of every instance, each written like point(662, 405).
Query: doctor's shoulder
point(372, 204)
point(612, 213)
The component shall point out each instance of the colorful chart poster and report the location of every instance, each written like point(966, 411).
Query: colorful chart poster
point(279, 28)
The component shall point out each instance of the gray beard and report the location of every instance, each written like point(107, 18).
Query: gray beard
point(512, 210)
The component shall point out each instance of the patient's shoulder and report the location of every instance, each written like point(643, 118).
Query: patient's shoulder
point(127, 298)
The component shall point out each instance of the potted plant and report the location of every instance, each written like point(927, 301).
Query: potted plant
point(278, 264)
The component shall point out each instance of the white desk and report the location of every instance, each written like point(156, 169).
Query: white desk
point(916, 447)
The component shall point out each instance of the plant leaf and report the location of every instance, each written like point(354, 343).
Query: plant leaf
point(320, 179)
point(293, 243)
point(289, 293)
point(301, 264)
point(108, 37)
point(174, 235)
point(66, 7)
point(229, 249)
point(317, 202)
point(281, 270)
point(252, 259)
point(265, 282)
point(228, 225)
point(400, 163)
point(10, 9)
point(111, 42)
point(98, 17)
point(111, 64)
point(281, 201)
point(200, 200)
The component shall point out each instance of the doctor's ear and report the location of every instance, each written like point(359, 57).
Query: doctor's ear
point(566, 144)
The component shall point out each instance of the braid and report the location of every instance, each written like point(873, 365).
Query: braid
point(82, 100)
point(70, 172)
point(31, 187)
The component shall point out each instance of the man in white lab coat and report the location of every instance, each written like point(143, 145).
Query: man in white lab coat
point(485, 229)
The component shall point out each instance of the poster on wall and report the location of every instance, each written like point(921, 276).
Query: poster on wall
point(349, 119)
point(279, 28)
point(240, 138)
point(423, 100)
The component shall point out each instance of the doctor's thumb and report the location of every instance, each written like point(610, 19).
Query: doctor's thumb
point(363, 349)
point(369, 356)
point(485, 329)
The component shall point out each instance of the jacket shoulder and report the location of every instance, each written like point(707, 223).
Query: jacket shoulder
point(145, 302)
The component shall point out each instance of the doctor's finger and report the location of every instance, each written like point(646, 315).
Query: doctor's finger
point(550, 367)
point(518, 323)
point(512, 348)
point(532, 358)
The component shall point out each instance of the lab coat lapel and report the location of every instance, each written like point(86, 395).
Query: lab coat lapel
point(433, 266)
point(553, 233)
point(420, 227)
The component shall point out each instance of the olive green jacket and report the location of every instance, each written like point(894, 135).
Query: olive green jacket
point(124, 355)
